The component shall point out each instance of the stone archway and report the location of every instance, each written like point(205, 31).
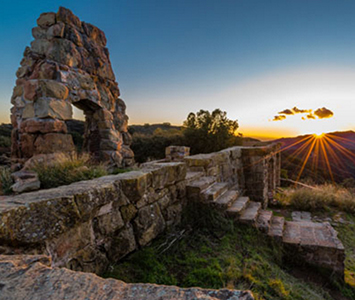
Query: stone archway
point(68, 64)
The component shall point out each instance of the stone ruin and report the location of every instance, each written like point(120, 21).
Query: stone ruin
point(68, 64)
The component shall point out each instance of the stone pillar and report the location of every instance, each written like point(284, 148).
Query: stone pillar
point(68, 64)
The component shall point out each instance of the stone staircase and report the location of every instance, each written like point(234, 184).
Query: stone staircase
point(314, 243)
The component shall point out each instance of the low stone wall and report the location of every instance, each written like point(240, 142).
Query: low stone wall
point(87, 225)
point(255, 171)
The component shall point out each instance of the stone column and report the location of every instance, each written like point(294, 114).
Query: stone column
point(68, 64)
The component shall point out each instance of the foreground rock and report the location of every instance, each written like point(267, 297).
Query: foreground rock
point(32, 278)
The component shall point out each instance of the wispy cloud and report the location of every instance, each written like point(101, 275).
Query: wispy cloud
point(279, 118)
point(286, 112)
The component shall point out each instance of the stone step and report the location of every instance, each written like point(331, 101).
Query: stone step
point(238, 207)
point(306, 233)
point(250, 214)
point(194, 188)
point(214, 191)
point(277, 227)
point(192, 176)
point(316, 243)
point(263, 221)
point(224, 201)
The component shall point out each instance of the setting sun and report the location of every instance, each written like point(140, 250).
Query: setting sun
point(318, 135)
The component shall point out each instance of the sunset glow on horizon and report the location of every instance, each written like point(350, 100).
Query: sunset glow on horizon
point(249, 58)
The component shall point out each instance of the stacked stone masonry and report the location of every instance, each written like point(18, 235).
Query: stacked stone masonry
point(89, 225)
point(68, 64)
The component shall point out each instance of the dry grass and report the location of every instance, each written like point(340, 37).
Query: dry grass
point(321, 197)
point(68, 169)
point(5, 181)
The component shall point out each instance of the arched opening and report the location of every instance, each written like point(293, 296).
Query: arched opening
point(86, 110)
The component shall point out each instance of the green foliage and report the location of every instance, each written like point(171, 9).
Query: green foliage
point(152, 147)
point(116, 171)
point(5, 141)
point(212, 253)
point(321, 197)
point(203, 132)
point(346, 234)
point(5, 181)
point(68, 170)
point(284, 174)
point(207, 132)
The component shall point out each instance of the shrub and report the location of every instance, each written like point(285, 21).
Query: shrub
point(322, 197)
point(5, 181)
point(5, 141)
point(206, 132)
point(67, 170)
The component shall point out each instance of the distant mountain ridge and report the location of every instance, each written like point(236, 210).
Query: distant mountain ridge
point(328, 157)
point(345, 138)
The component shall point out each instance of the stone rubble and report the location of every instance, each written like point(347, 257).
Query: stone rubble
point(25, 181)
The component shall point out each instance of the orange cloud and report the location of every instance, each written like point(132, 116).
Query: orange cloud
point(301, 111)
point(323, 113)
point(320, 113)
point(279, 118)
point(286, 112)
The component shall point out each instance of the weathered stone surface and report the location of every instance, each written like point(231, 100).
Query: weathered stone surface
point(25, 181)
point(176, 153)
point(54, 142)
point(43, 126)
point(64, 52)
point(39, 32)
point(56, 30)
point(27, 144)
point(46, 19)
point(316, 243)
point(40, 46)
point(53, 108)
point(31, 277)
point(30, 89)
point(53, 89)
point(128, 212)
point(95, 33)
point(121, 244)
point(66, 64)
point(148, 224)
point(67, 17)
point(47, 159)
point(134, 185)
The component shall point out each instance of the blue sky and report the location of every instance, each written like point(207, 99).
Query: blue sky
point(250, 58)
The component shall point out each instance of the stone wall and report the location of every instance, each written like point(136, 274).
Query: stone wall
point(261, 166)
point(68, 64)
point(255, 171)
point(88, 225)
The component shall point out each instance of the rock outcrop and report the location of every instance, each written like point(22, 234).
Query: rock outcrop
point(32, 278)
point(68, 64)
